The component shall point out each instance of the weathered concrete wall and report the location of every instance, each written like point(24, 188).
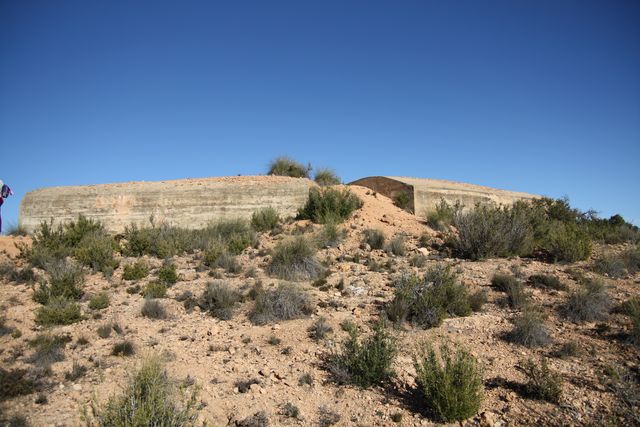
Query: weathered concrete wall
point(427, 193)
point(190, 203)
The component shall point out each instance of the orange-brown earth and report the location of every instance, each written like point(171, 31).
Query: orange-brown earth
point(216, 353)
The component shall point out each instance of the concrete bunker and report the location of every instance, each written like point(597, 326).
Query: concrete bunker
point(424, 194)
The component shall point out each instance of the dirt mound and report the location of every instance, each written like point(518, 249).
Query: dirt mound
point(8, 244)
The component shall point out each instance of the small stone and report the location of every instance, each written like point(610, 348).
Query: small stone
point(77, 387)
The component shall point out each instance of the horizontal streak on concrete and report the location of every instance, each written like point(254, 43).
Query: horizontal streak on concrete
point(190, 203)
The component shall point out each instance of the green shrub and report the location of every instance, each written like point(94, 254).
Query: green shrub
point(488, 231)
point(295, 259)
point(542, 383)
point(402, 200)
point(568, 242)
point(324, 177)
point(65, 280)
point(284, 303)
point(48, 349)
point(219, 299)
point(153, 309)
point(427, 301)
point(136, 271)
point(529, 329)
point(99, 301)
point(452, 384)
point(367, 362)
point(14, 383)
point(374, 238)
point(329, 205)
point(96, 250)
point(546, 281)
point(618, 265)
point(161, 241)
point(516, 295)
point(150, 399)
point(589, 303)
point(397, 246)
point(123, 348)
point(330, 235)
point(58, 311)
point(168, 274)
point(236, 234)
point(477, 300)
point(265, 219)
point(12, 273)
point(259, 419)
point(214, 250)
point(632, 309)
point(284, 166)
point(155, 290)
point(320, 329)
point(418, 260)
point(441, 217)
point(327, 417)
point(229, 263)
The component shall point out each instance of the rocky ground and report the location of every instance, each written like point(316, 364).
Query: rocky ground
point(213, 355)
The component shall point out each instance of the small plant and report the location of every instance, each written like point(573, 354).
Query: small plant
point(58, 311)
point(284, 166)
point(617, 266)
point(328, 417)
point(324, 177)
point(320, 329)
point(123, 348)
point(244, 386)
point(543, 384)
point(589, 303)
point(77, 371)
point(265, 219)
point(374, 238)
point(546, 281)
point(516, 296)
point(305, 379)
point(155, 290)
point(568, 349)
point(104, 331)
point(150, 399)
point(477, 300)
point(632, 309)
point(16, 382)
point(529, 329)
point(402, 200)
point(366, 362)
point(65, 280)
point(290, 410)
point(273, 340)
point(418, 260)
point(568, 242)
point(167, 273)
point(99, 301)
point(330, 235)
point(284, 303)
point(136, 271)
point(295, 259)
point(153, 309)
point(452, 384)
point(48, 349)
point(229, 263)
point(397, 246)
point(95, 250)
point(441, 217)
point(219, 299)
point(329, 205)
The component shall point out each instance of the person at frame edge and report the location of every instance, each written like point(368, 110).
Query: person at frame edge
point(4, 193)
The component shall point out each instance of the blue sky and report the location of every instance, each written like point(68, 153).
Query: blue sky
point(535, 96)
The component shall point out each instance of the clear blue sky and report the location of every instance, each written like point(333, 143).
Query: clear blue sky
point(536, 96)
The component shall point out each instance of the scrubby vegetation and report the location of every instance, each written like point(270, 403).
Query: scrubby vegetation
point(326, 177)
point(155, 290)
point(284, 166)
point(367, 362)
point(589, 302)
point(546, 281)
point(58, 311)
point(136, 271)
point(295, 259)
point(15, 382)
point(542, 383)
point(529, 328)
point(329, 205)
point(441, 217)
point(65, 280)
point(99, 301)
point(265, 219)
point(396, 246)
point(153, 309)
point(286, 302)
point(219, 299)
point(452, 384)
point(167, 274)
point(374, 238)
point(516, 295)
point(402, 200)
point(618, 265)
point(150, 398)
point(428, 300)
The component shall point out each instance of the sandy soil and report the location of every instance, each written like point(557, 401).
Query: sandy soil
point(216, 354)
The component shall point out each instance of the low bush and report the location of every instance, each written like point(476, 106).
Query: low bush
point(123, 348)
point(402, 200)
point(396, 246)
point(155, 290)
point(632, 309)
point(324, 177)
point(219, 299)
point(546, 281)
point(477, 300)
point(568, 242)
point(12, 273)
point(136, 271)
point(14, 383)
point(320, 329)
point(330, 235)
point(418, 260)
point(290, 410)
point(99, 301)
point(542, 383)
point(374, 238)
point(104, 331)
point(427, 301)
point(286, 302)
point(441, 217)
point(96, 251)
point(150, 399)
point(229, 263)
point(65, 280)
point(58, 311)
point(364, 362)
point(452, 384)
point(327, 417)
point(265, 219)
point(285, 166)
point(618, 265)
point(590, 302)
point(295, 259)
point(48, 349)
point(259, 419)
point(153, 309)
point(529, 329)
point(516, 295)
point(77, 371)
point(329, 205)
point(168, 274)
